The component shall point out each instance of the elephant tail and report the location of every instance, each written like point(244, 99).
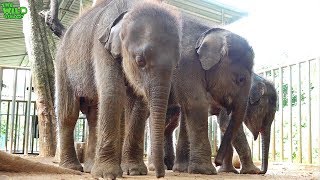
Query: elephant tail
point(11, 163)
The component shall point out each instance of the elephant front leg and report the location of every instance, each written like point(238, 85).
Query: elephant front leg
point(136, 113)
point(200, 151)
point(92, 139)
point(227, 165)
point(241, 144)
point(111, 93)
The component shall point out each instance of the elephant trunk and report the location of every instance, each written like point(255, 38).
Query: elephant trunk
point(265, 136)
point(158, 108)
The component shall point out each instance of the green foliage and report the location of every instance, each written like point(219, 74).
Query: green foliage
point(294, 96)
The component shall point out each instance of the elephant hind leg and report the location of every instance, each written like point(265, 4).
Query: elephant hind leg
point(181, 161)
point(227, 165)
point(67, 114)
point(92, 139)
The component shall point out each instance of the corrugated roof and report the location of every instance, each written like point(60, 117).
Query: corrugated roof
point(12, 45)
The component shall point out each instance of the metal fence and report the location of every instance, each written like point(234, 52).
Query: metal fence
point(19, 131)
point(295, 135)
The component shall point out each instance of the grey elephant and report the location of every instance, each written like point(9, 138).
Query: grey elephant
point(90, 74)
point(260, 114)
point(214, 61)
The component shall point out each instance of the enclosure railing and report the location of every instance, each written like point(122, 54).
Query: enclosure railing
point(15, 97)
point(295, 135)
point(296, 129)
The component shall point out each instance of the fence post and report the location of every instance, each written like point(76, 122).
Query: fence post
point(281, 111)
point(26, 137)
point(299, 114)
point(318, 64)
point(309, 114)
point(0, 96)
point(290, 111)
point(13, 107)
point(215, 139)
point(273, 140)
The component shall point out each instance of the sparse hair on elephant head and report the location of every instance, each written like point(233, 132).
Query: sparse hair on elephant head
point(125, 38)
point(223, 43)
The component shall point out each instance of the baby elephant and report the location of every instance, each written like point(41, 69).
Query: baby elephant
point(261, 110)
point(111, 44)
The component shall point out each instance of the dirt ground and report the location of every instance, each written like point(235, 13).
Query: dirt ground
point(275, 171)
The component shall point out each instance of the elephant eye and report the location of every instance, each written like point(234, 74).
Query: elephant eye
point(140, 61)
point(241, 80)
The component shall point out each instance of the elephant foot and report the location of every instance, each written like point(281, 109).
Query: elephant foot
point(168, 166)
point(134, 168)
point(75, 165)
point(88, 166)
point(205, 168)
point(169, 162)
point(180, 167)
point(227, 169)
point(106, 170)
point(152, 168)
point(252, 169)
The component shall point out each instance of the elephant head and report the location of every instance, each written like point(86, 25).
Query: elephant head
point(227, 60)
point(260, 113)
point(149, 44)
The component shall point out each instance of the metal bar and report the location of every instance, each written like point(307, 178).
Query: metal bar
point(83, 129)
point(21, 101)
point(13, 108)
point(7, 126)
point(290, 111)
point(273, 140)
point(299, 114)
point(222, 17)
point(25, 127)
point(318, 65)
point(285, 65)
point(210, 133)
point(215, 140)
point(16, 134)
point(259, 148)
point(251, 147)
point(309, 114)
point(0, 96)
point(26, 139)
point(35, 128)
point(281, 111)
point(13, 55)
point(15, 67)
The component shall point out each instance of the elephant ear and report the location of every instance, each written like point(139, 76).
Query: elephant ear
point(111, 37)
point(256, 92)
point(211, 47)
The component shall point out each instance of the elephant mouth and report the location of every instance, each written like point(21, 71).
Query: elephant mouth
point(227, 103)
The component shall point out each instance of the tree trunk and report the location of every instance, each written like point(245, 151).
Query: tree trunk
point(43, 74)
